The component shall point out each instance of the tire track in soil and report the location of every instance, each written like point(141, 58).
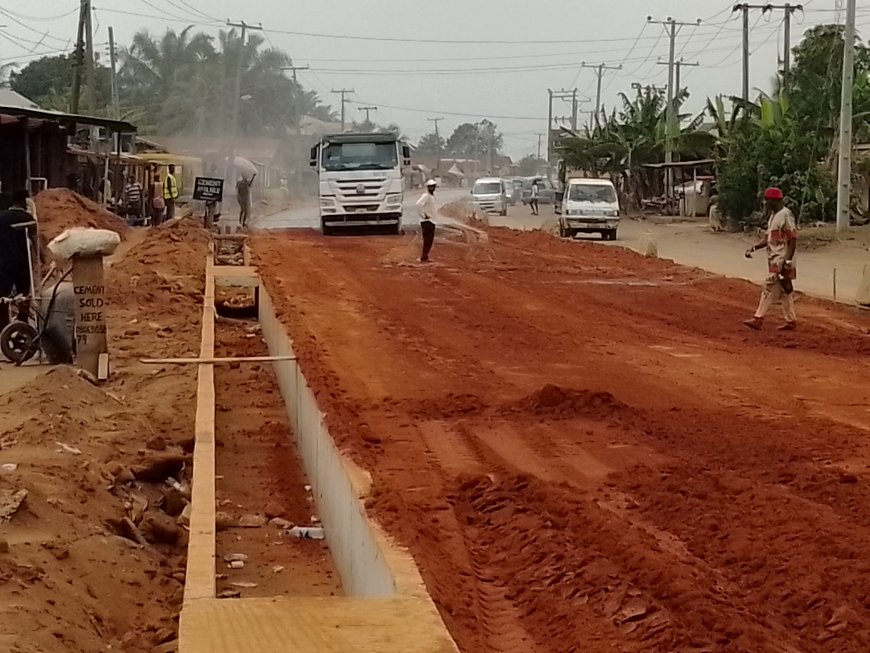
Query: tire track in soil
point(633, 562)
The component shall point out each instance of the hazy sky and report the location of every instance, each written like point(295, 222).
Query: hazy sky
point(514, 50)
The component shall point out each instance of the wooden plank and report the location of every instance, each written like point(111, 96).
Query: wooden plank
point(214, 361)
point(200, 580)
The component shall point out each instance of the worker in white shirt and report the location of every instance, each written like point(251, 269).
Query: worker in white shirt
point(426, 208)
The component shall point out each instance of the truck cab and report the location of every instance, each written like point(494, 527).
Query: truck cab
point(360, 180)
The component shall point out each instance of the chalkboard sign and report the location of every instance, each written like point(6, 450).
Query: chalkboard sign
point(208, 189)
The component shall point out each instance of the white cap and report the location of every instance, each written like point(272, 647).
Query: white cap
point(431, 182)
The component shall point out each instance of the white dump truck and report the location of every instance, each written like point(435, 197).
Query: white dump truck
point(360, 178)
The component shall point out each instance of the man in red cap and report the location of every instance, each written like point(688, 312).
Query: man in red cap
point(781, 243)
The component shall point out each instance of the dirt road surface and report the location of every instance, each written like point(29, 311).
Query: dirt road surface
point(584, 449)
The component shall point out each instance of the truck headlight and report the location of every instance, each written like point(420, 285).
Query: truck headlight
point(327, 202)
point(394, 199)
point(612, 214)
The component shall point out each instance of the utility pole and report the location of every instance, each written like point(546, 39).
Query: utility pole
point(80, 59)
point(562, 94)
point(244, 27)
point(673, 28)
point(789, 9)
point(294, 70)
point(844, 168)
point(678, 64)
point(539, 146)
point(343, 92)
point(368, 111)
point(116, 111)
point(435, 121)
point(745, 9)
point(638, 86)
point(90, 77)
point(599, 69)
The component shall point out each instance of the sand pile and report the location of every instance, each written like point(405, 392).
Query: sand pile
point(60, 209)
point(92, 464)
point(167, 269)
point(553, 401)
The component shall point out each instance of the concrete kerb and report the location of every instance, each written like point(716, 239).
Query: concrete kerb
point(373, 569)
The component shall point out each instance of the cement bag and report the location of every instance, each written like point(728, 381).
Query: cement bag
point(81, 241)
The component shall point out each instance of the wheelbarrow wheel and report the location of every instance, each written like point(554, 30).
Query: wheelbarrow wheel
point(18, 342)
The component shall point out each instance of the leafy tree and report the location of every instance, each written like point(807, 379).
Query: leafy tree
point(48, 82)
point(623, 142)
point(530, 164)
point(470, 140)
point(431, 144)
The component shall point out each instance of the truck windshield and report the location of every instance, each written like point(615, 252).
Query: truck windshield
point(591, 193)
point(360, 156)
point(486, 188)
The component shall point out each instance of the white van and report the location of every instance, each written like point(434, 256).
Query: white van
point(589, 206)
point(488, 194)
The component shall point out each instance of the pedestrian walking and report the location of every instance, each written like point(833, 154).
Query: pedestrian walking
point(426, 208)
point(780, 240)
point(16, 274)
point(158, 204)
point(170, 192)
point(243, 194)
point(533, 200)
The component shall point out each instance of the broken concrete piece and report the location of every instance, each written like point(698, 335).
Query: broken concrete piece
point(252, 521)
point(278, 522)
point(223, 521)
point(243, 584)
point(230, 594)
point(65, 448)
point(230, 557)
point(10, 502)
point(236, 564)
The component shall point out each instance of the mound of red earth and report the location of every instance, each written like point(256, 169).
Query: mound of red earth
point(553, 401)
point(61, 209)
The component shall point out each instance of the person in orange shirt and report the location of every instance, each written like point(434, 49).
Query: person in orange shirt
point(780, 240)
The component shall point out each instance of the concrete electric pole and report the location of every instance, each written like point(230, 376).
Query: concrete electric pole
point(231, 159)
point(75, 99)
point(368, 111)
point(90, 72)
point(745, 7)
point(678, 69)
point(343, 92)
point(294, 70)
point(113, 61)
point(435, 121)
point(599, 69)
point(673, 28)
point(844, 168)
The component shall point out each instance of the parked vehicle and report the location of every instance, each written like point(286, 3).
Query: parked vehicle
point(695, 196)
point(589, 206)
point(488, 194)
point(546, 192)
point(510, 191)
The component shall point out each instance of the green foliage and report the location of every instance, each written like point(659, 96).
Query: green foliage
point(473, 139)
point(530, 165)
point(788, 140)
point(623, 142)
point(48, 82)
point(184, 82)
point(431, 144)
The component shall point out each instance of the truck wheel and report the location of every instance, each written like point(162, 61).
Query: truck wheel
point(325, 229)
point(503, 213)
point(610, 234)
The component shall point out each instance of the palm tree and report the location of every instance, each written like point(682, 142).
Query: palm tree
point(163, 79)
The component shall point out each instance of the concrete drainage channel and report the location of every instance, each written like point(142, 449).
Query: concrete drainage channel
point(385, 608)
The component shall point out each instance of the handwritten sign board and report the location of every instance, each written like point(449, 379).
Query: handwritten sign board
point(208, 189)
